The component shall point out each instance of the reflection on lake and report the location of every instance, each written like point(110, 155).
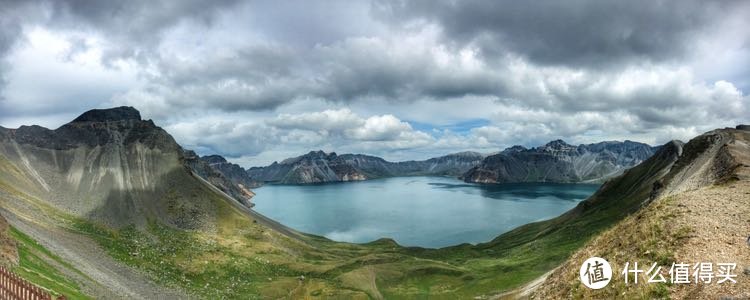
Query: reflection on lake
point(416, 211)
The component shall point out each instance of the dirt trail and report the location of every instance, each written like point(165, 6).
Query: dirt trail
point(105, 278)
point(524, 291)
point(708, 225)
point(720, 228)
point(112, 280)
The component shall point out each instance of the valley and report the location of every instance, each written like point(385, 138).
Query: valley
point(117, 210)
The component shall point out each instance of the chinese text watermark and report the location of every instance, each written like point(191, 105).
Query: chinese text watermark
point(596, 273)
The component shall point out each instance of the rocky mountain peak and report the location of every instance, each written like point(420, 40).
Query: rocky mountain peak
point(466, 154)
point(558, 161)
point(320, 154)
point(557, 144)
point(121, 113)
point(515, 148)
point(214, 159)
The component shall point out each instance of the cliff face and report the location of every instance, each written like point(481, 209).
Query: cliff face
point(106, 165)
point(318, 167)
point(314, 167)
point(558, 161)
point(227, 177)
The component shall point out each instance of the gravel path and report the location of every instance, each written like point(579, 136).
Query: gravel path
point(720, 227)
point(105, 278)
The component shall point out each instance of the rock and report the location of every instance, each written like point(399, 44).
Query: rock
point(108, 115)
point(558, 161)
point(319, 167)
point(228, 177)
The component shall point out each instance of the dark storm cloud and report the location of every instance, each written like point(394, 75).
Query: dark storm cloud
point(536, 69)
point(589, 33)
point(382, 68)
point(134, 26)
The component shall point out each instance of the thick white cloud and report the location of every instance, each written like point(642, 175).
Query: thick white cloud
point(330, 120)
point(331, 130)
point(382, 128)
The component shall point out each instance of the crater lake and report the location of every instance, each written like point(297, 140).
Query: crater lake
point(416, 211)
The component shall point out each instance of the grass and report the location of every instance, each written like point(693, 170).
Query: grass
point(241, 258)
point(185, 259)
point(35, 266)
point(648, 236)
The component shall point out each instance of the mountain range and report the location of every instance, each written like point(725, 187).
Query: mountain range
point(318, 167)
point(558, 161)
point(110, 206)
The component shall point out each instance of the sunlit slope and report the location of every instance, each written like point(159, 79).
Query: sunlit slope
point(695, 216)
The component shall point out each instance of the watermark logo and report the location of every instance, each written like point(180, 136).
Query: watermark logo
point(595, 273)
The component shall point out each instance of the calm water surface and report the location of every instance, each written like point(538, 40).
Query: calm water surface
point(416, 211)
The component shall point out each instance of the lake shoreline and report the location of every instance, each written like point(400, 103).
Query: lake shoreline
point(416, 211)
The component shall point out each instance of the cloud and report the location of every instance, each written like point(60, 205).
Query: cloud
point(572, 33)
point(338, 130)
point(134, 28)
point(331, 120)
point(259, 80)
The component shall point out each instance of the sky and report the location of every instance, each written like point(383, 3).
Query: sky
point(260, 81)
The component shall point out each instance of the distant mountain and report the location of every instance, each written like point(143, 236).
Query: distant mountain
point(558, 161)
point(318, 167)
point(233, 172)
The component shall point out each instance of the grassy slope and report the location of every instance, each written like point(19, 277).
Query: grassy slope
point(36, 263)
point(245, 259)
point(36, 266)
point(531, 250)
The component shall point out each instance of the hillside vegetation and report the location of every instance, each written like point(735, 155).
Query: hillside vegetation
point(113, 196)
point(696, 215)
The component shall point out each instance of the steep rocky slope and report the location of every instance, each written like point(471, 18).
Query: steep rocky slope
point(694, 214)
point(231, 171)
point(318, 166)
point(558, 161)
point(227, 177)
point(107, 166)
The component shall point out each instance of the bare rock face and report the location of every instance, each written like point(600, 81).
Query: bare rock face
point(109, 166)
point(121, 113)
point(716, 156)
point(233, 172)
point(558, 161)
point(313, 167)
point(227, 177)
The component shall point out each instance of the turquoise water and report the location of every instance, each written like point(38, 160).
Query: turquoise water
point(416, 211)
